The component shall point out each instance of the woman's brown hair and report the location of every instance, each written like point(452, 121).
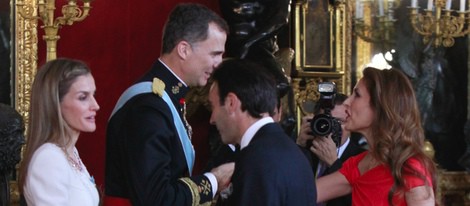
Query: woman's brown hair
point(397, 129)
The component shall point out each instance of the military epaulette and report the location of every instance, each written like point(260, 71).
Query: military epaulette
point(201, 190)
point(158, 86)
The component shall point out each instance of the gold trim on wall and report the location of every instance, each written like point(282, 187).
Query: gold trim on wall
point(25, 62)
point(343, 53)
point(26, 42)
point(363, 48)
point(453, 187)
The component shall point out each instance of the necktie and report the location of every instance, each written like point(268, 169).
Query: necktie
point(321, 169)
point(320, 172)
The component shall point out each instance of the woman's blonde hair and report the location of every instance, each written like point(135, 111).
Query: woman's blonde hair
point(50, 85)
point(396, 129)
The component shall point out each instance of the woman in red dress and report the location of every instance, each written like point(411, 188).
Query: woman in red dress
point(395, 169)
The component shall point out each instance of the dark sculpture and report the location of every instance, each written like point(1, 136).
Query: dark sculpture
point(439, 78)
point(11, 141)
point(254, 26)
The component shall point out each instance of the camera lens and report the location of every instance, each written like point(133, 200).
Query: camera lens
point(321, 125)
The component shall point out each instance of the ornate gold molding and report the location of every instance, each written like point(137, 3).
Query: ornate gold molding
point(306, 93)
point(26, 41)
point(453, 187)
point(25, 61)
point(347, 16)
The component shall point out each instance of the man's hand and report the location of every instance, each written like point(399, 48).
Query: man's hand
point(223, 174)
point(325, 149)
point(305, 131)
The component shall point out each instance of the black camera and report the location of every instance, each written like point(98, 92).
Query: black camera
point(325, 124)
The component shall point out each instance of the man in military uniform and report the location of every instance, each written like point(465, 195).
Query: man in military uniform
point(149, 155)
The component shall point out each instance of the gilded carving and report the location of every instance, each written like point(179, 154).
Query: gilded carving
point(25, 59)
point(26, 55)
point(453, 187)
point(305, 93)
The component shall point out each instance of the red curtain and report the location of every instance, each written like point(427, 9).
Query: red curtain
point(119, 40)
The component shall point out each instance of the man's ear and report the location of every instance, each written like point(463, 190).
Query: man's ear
point(184, 49)
point(232, 102)
point(277, 113)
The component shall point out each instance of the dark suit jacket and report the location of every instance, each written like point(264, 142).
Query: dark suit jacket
point(351, 150)
point(145, 161)
point(272, 171)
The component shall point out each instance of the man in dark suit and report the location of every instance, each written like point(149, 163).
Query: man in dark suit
point(149, 154)
point(324, 155)
point(269, 169)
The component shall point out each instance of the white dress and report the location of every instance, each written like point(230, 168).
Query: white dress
point(52, 180)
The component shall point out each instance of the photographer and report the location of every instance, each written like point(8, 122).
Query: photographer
point(323, 153)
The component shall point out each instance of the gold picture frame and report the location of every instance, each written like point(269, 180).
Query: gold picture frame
point(323, 58)
point(335, 62)
point(314, 35)
point(336, 65)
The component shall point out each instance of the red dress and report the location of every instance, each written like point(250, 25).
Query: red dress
point(373, 186)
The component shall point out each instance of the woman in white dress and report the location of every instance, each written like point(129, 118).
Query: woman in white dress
point(62, 106)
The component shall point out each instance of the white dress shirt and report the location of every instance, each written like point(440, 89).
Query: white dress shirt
point(251, 131)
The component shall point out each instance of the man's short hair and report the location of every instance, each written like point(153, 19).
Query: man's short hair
point(255, 88)
point(189, 22)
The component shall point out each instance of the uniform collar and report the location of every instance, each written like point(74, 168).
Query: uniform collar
point(174, 86)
